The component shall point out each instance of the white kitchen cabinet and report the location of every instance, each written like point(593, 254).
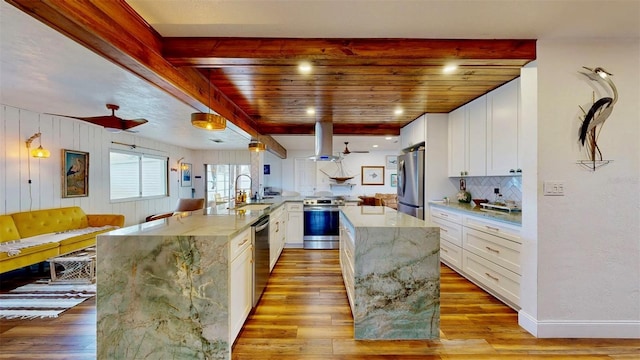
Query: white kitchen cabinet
point(295, 224)
point(347, 246)
point(467, 139)
point(450, 236)
point(458, 142)
point(503, 130)
point(486, 252)
point(413, 133)
point(277, 234)
point(240, 281)
point(450, 242)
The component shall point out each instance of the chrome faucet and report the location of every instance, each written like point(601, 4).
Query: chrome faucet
point(236, 185)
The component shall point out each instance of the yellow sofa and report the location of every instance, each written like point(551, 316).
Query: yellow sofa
point(30, 237)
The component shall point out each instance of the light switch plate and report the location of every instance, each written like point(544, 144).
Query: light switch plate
point(553, 188)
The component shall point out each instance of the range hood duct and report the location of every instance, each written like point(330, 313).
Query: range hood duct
point(324, 142)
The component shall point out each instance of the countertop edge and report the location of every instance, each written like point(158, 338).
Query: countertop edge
point(492, 215)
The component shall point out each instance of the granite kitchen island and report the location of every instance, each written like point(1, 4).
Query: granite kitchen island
point(391, 269)
point(164, 287)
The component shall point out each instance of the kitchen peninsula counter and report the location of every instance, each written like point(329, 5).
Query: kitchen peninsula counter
point(391, 267)
point(163, 286)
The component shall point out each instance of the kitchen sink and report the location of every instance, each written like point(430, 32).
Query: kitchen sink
point(250, 207)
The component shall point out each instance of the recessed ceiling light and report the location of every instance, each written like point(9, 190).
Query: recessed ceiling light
point(388, 138)
point(304, 68)
point(311, 111)
point(375, 146)
point(398, 111)
point(449, 69)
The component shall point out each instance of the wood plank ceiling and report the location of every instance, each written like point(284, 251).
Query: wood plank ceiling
point(358, 84)
point(256, 83)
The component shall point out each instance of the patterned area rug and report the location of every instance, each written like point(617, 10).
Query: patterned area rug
point(43, 300)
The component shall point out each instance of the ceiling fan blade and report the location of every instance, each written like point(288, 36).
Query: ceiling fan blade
point(109, 121)
point(128, 124)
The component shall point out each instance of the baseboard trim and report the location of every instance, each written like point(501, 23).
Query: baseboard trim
point(614, 329)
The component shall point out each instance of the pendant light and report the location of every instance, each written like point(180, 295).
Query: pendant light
point(257, 146)
point(208, 121)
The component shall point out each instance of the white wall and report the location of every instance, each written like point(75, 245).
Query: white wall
point(588, 241)
point(17, 125)
point(352, 164)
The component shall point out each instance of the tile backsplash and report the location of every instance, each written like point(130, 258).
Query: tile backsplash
point(482, 187)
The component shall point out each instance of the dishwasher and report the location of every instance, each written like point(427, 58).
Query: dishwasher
point(260, 234)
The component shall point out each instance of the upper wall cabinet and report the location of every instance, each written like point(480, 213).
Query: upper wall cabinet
point(503, 123)
point(413, 133)
point(467, 139)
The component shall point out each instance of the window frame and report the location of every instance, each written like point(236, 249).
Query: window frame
point(141, 156)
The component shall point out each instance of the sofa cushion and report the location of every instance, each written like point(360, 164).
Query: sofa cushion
point(37, 222)
point(8, 230)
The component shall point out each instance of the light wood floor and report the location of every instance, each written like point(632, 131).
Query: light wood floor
point(304, 314)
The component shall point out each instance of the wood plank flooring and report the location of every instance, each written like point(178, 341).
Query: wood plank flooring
point(304, 314)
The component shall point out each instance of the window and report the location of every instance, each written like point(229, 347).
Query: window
point(221, 181)
point(137, 176)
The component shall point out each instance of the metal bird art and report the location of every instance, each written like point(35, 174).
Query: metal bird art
point(599, 111)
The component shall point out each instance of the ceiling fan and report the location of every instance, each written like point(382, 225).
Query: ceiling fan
point(112, 122)
point(346, 150)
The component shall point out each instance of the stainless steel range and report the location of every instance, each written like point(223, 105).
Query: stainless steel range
point(322, 222)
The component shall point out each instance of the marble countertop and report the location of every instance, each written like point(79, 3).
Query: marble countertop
point(381, 216)
point(217, 220)
point(226, 221)
point(514, 218)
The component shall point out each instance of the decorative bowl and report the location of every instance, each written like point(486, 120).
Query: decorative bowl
point(480, 201)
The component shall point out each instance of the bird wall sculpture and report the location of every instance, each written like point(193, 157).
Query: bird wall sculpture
point(594, 118)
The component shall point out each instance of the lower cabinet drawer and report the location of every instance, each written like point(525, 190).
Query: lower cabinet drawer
point(501, 281)
point(451, 254)
point(449, 231)
point(239, 243)
point(503, 252)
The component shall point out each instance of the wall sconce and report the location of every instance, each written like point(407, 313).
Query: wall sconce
point(39, 152)
point(257, 146)
point(180, 165)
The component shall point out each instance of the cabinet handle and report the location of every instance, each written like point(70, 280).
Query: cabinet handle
point(492, 250)
point(445, 250)
point(519, 171)
point(512, 171)
point(492, 277)
point(244, 242)
point(445, 230)
point(445, 215)
point(492, 228)
point(277, 226)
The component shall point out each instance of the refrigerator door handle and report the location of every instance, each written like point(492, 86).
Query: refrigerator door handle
point(401, 178)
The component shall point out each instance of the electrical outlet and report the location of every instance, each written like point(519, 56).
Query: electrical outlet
point(553, 188)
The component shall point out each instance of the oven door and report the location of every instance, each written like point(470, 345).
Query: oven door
point(321, 227)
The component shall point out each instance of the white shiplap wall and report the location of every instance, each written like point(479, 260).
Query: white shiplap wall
point(17, 125)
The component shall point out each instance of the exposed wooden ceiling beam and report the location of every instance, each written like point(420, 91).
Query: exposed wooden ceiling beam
point(283, 128)
point(199, 51)
point(115, 31)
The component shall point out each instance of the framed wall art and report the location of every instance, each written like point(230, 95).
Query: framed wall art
point(392, 162)
point(393, 180)
point(185, 175)
point(372, 175)
point(75, 173)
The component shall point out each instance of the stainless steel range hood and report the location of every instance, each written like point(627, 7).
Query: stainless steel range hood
point(324, 142)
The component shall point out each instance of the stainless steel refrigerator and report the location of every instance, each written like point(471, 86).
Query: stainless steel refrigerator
point(411, 183)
